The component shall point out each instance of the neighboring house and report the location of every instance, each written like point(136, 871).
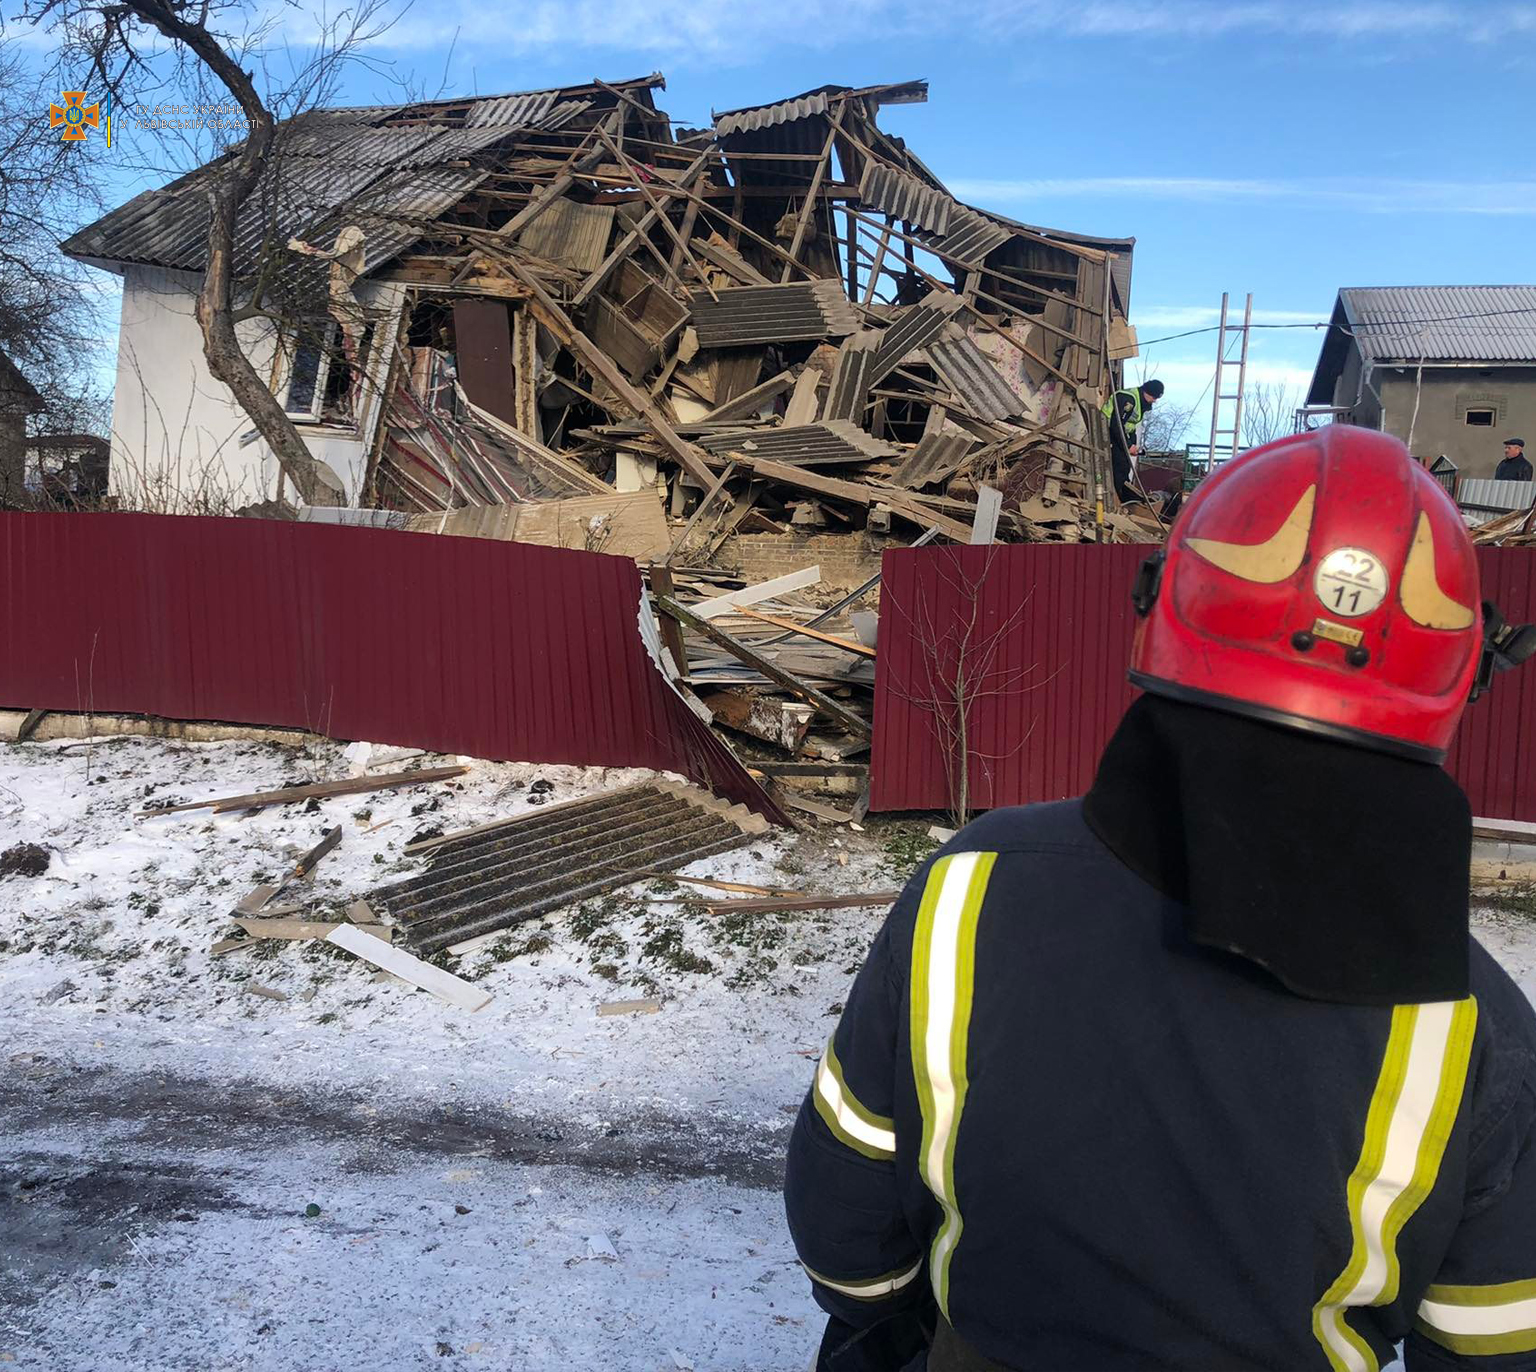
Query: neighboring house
point(18, 399)
point(1455, 365)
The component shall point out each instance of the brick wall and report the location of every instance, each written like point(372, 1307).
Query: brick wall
point(846, 560)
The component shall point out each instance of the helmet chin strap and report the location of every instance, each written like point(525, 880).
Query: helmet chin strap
point(1505, 645)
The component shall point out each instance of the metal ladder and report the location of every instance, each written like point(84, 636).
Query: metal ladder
point(1225, 440)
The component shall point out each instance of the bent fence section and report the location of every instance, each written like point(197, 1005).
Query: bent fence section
point(461, 645)
point(1040, 636)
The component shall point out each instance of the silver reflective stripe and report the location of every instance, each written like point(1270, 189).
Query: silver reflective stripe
point(870, 1288)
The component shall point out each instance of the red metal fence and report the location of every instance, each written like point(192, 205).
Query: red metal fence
point(461, 645)
point(1047, 632)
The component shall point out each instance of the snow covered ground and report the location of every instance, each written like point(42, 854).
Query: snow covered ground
point(199, 1177)
point(145, 1080)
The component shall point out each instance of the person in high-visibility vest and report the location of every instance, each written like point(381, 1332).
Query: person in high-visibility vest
point(1124, 410)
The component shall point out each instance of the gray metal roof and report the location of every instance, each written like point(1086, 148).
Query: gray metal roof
point(971, 376)
point(781, 112)
point(798, 310)
point(334, 164)
point(1443, 323)
point(805, 445)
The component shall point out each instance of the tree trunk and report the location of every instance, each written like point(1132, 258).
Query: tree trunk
point(215, 302)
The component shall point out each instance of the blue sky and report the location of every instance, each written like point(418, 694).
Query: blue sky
point(1281, 148)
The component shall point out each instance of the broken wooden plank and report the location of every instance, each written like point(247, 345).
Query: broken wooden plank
point(748, 403)
point(737, 887)
point(306, 928)
point(989, 505)
point(753, 595)
point(791, 683)
point(807, 631)
point(810, 769)
point(230, 945)
point(360, 912)
point(804, 403)
point(307, 864)
point(795, 801)
point(444, 985)
point(322, 790)
point(255, 900)
point(561, 325)
point(780, 722)
point(25, 728)
point(693, 519)
point(629, 1007)
point(270, 992)
point(770, 904)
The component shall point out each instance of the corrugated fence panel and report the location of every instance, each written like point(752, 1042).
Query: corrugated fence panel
point(1049, 628)
point(459, 645)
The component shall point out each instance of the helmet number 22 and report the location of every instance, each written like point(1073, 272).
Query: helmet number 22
point(1351, 582)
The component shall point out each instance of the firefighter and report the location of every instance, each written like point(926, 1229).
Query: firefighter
point(1125, 410)
point(1203, 1069)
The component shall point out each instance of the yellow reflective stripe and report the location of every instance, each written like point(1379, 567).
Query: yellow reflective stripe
point(1413, 1109)
point(869, 1288)
point(943, 981)
point(851, 1122)
point(1481, 1319)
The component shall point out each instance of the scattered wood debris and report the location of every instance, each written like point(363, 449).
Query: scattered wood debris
point(629, 1007)
point(322, 790)
point(444, 985)
point(774, 904)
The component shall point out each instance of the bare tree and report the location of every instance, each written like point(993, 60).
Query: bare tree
point(1164, 427)
point(50, 306)
point(960, 637)
point(1269, 412)
point(118, 38)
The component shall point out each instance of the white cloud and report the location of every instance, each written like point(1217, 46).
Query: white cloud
point(1381, 196)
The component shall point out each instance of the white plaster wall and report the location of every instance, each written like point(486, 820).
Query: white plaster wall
point(176, 429)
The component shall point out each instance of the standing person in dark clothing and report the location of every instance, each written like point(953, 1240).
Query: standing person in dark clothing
point(1125, 410)
point(1515, 466)
point(1203, 1070)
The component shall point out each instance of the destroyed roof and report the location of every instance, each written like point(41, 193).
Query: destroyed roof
point(813, 102)
point(386, 167)
point(1490, 324)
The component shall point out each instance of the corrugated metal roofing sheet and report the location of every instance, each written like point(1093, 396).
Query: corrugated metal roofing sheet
point(782, 112)
point(1443, 323)
point(329, 158)
point(805, 445)
point(967, 372)
point(572, 233)
point(796, 312)
point(934, 458)
point(850, 381)
point(958, 232)
point(1484, 494)
point(916, 328)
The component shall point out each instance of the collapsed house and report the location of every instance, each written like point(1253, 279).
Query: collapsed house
point(556, 317)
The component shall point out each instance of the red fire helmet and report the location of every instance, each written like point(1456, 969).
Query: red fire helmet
point(1325, 582)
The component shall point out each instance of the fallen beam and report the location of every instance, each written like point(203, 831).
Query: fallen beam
point(444, 985)
point(323, 790)
point(770, 904)
point(853, 723)
point(753, 595)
